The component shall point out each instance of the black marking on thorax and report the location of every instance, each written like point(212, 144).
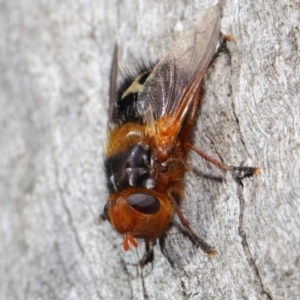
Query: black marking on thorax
point(130, 168)
point(126, 106)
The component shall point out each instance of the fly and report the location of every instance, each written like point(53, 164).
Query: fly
point(150, 121)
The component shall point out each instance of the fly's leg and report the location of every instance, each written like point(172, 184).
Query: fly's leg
point(222, 48)
point(239, 172)
point(148, 256)
point(197, 240)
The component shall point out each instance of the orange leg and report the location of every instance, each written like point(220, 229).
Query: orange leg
point(239, 172)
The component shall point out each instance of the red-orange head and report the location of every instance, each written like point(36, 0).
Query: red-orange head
point(139, 213)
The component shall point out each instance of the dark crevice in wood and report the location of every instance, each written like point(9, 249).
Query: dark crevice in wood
point(238, 124)
point(124, 267)
point(162, 243)
point(184, 290)
point(146, 297)
point(245, 245)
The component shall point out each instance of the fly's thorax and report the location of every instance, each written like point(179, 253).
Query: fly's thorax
point(127, 108)
point(165, 137)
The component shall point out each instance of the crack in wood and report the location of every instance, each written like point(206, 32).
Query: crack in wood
point(65, 206)
point(245, 245)
point(123, 265)
point(146, 297)
point(70, 221)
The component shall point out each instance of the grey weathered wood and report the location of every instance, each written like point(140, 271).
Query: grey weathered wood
point(55, 59)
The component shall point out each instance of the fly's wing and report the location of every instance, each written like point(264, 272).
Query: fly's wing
point(175, 79)
point(113, 84)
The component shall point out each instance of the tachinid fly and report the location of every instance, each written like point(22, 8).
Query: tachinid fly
point(150, 122)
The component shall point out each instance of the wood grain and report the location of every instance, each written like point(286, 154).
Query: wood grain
point(54, 61)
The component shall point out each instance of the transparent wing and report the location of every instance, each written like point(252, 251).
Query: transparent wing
point(113, 84)
point(178, 74)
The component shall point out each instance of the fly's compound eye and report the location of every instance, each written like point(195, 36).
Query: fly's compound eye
point(144, 203)
point(105, 212)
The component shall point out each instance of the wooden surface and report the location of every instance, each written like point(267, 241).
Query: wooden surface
point(54, 60)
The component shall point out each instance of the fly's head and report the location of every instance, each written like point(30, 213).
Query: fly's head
point(142, 214)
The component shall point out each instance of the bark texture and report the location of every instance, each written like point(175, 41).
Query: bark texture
point(55, 58)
